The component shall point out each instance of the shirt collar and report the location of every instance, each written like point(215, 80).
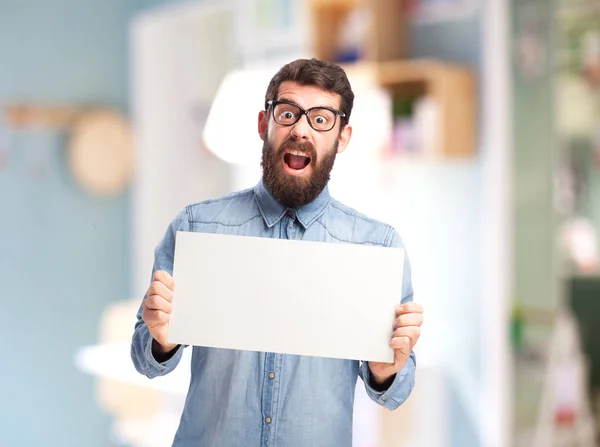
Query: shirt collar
point(272, 211)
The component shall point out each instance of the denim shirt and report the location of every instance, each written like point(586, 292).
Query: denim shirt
point(244, 398)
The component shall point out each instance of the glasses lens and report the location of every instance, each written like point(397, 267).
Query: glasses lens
point(286, 114)
point(322, 119)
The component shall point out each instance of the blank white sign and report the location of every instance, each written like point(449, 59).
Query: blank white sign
point(285, 296)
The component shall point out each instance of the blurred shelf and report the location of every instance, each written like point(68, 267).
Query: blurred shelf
point(386, 35)
point(590, 276)
point(24, 115)
point(383, 56)
point(28, 115)
point(451, 87)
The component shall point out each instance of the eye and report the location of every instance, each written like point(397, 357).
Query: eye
point(286, 113)
point(320, 119)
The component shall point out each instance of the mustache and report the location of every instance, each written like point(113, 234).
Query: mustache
point(290, 144)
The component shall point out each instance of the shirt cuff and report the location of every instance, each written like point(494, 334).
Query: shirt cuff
point(398, 391)
point(166, 366)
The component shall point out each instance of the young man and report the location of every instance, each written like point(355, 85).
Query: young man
point(243, 398)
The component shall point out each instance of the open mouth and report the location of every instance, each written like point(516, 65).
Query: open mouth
point(296, 160)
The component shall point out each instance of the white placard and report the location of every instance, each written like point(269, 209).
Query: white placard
point(285, 296)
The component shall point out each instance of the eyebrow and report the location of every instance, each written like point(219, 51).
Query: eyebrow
point(283, 98)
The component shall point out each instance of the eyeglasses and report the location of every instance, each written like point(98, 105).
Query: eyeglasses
point(322, 119)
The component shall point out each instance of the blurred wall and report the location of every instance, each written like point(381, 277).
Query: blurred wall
point(457, 41)
point(64, 253)
point(534, 155)
point(460, 41)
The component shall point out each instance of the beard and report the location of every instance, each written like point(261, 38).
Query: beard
point(294, 191)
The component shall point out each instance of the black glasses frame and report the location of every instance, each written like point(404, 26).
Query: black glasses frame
point(274, 103)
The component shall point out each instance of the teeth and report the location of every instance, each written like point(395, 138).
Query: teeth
point(299, 153)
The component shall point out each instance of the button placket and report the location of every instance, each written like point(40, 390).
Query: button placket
point(267, 402)
point(291, 231)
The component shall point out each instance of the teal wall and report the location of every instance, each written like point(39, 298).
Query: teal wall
point(536, 274)
point(534, 163)
point(63, 253)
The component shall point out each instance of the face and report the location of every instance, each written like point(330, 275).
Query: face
point(297, 160)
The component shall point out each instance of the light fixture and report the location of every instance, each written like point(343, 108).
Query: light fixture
point(231, 129)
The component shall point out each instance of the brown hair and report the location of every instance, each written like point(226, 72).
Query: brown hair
point(326, 75)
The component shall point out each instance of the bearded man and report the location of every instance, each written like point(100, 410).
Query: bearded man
point(245, 398)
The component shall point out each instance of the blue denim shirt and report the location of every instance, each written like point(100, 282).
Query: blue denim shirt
point(243, 398)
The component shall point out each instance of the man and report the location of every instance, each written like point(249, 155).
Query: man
point(243, 398)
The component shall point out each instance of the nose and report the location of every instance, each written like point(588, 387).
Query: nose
point(301, 130)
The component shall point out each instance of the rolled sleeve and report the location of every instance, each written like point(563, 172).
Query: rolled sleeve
point(141, 343)
point(143, 359)
point(165, 367)
point(398, 391)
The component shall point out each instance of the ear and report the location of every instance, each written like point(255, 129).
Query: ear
point(263, 124)
point(344, 138)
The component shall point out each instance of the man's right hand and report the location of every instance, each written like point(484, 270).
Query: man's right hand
point(157, 311)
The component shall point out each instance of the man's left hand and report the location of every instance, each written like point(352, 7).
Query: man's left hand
point(407, 329)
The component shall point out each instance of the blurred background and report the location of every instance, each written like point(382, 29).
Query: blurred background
point(476, 134)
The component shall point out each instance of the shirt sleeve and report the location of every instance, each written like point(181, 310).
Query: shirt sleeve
point(141, 343)
point(401, 387)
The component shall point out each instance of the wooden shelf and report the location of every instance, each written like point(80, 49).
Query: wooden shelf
point(452, 87)
point(27, 115)
point(386, 37)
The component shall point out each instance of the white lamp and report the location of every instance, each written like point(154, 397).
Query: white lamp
point(231, 129)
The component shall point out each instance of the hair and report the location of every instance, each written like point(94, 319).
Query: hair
point(318, 73)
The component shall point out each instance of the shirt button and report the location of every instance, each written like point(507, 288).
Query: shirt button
point(271, 376)
point(268, 420)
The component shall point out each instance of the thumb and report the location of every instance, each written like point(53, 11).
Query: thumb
point(402, 352)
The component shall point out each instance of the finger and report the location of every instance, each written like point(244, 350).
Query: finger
point(154, 317)
point(410, 307)
point(157, 302)
point(160, 289)
point(165, 278)
point(413, 319)
point(412, 332)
